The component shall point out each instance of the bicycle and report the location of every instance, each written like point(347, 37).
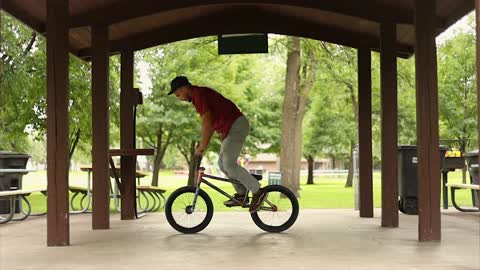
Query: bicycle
point(189, 209)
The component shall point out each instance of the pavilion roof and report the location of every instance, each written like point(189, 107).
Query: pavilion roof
point(142, 24)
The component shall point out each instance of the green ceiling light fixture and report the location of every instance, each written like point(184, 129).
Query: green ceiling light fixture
point(243, 43)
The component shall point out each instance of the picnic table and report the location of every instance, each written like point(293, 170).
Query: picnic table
point(14, 193)
point(86, 193)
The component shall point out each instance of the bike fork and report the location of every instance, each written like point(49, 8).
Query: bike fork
point(195, 197)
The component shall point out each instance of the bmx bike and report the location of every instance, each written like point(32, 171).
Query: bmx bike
point(189, 209)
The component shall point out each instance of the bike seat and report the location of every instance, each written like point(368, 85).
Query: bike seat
point(257, 176)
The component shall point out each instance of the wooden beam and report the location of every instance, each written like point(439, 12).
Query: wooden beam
point(58, 222)
point(100, 128)
point(126, 10)
point(388, 66)
point(259, 21)
point(365, 131)
point(427, 122)
point(463, 8)
point(24, 16)
point(1, 8)
point(127, 137)
point(477, 19)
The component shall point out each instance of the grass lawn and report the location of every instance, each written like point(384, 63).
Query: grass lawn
point(327, 192)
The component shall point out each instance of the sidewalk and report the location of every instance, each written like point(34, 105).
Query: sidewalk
point(321, 239)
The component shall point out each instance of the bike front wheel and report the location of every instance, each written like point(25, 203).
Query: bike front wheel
point(279, 210)
point(185, 217)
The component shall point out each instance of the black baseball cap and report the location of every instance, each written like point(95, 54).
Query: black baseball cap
point(178, 82)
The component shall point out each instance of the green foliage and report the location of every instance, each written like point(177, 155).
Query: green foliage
point(457, 90)
point(22, 87)
point(330, 125)
point(23, 90)
point(249, 81)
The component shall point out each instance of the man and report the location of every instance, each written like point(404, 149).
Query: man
point(221, 115)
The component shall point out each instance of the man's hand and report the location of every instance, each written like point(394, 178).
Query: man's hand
point(199, 151)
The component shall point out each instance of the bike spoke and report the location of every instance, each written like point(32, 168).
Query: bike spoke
point(276, 209)
point(180, 206)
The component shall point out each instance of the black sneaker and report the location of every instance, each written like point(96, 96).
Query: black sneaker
point(257, 200)
point(238, 197)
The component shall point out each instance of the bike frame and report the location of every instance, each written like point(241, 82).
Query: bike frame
point(201, 178)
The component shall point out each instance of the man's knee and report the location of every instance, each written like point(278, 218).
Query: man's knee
point(230, 166)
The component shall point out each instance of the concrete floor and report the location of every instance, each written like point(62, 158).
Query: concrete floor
point(321, 239)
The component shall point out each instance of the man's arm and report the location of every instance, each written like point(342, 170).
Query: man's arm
point(207, 132)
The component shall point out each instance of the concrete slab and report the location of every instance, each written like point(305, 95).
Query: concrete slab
point(321, 239)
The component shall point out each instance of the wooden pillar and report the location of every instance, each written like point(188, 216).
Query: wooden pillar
point(58, 223)
point(365, 131)
point(127, 163)
point(427, 122)
point(477, 8)
point(388, 67)
point(100, 128)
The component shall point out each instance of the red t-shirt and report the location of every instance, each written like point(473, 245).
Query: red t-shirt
point(222, 111)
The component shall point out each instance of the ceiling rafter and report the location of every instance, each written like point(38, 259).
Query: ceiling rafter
point(254, 20)
point(126, 10)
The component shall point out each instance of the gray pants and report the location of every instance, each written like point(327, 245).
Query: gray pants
point(229, 152)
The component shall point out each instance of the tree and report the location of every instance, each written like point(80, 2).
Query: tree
point(300, 78)
point(237, 77)
point(326, 127)
point(23, 85)
point(457, 89)
point(341, 65)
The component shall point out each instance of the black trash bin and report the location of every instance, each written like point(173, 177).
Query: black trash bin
point(472, 162)
point(407, 177)
point(8, 181)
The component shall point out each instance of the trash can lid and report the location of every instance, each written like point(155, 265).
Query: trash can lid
point(407, 147)
point(7, 154)
point(471, 154)
point(412, 147)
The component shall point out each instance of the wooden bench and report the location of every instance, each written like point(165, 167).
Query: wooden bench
point(23, 194)
point(85, 192)
point(75, 190)
point(456, 186)
point(157, 195)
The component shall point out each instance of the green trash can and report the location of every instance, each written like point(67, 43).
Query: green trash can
point(408, 178)
point(472, 163)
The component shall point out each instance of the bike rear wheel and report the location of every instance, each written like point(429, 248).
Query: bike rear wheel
point(279, 210)
point(182, 216)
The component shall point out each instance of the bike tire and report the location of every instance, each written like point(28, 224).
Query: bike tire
point(171, 219)
point(293, 216)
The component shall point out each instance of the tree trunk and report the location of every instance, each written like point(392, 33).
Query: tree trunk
point(156, 159)
point(296, 97)
point(160, 153)
point(310, 170)
point(350, 168)
point(192, 164)
point(333, 162)
point(156, 170)
point(289, 112)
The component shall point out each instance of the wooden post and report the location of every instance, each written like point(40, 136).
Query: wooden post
point(365, 131)
point(388, 67)
point(100, 128)
point(427, 122)
point(127, 163)
point(477, 19)
point(58, 223)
